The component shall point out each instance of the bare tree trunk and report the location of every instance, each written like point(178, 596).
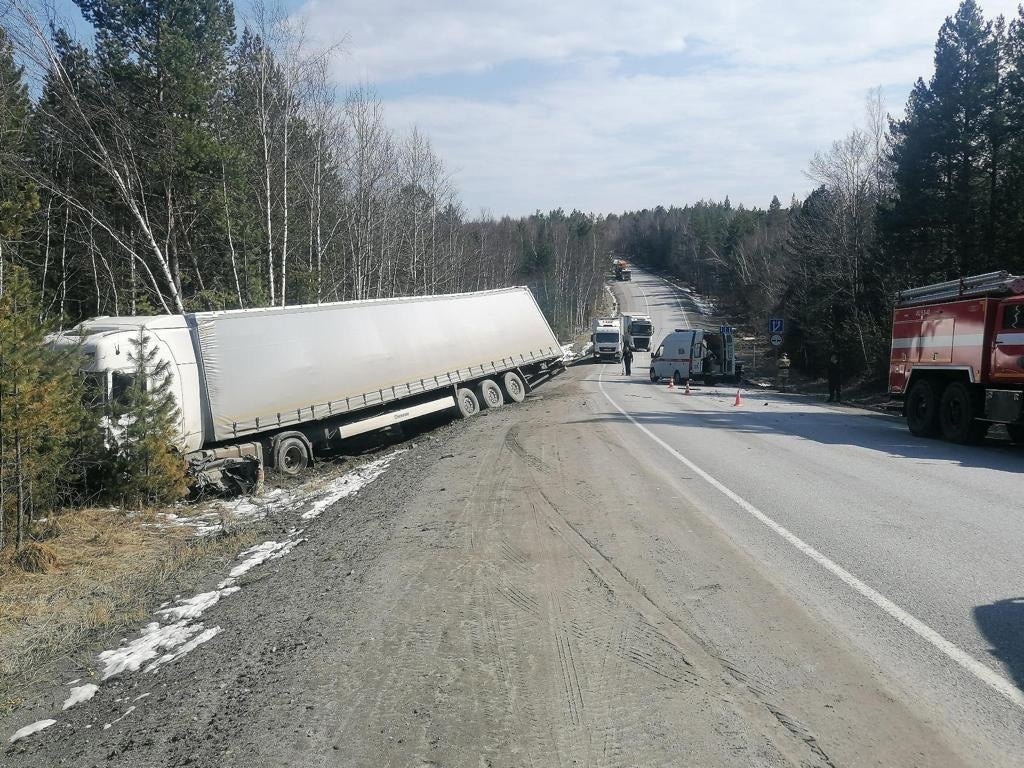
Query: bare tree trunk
point(231, 240)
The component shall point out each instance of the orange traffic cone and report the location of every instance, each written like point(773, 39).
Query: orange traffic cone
point(687, 387)
point(739, 398)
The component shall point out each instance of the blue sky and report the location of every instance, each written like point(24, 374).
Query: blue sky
point(612, 106)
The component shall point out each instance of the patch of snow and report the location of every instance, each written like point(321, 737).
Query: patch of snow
point(140, 697)
point(194, 607)
point(122, 717)
point(261, 553)
point(177, 653)
point(348, 484)
point(28, 730)
point(80, 694)
point(178, 629)
point(151, 644)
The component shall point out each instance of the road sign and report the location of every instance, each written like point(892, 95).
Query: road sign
point(777, 325)
point(776, 339)
point(724, 329)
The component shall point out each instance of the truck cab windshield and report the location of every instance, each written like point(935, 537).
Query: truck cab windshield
point(641, 329)
point(607, 338)
point(120, 384)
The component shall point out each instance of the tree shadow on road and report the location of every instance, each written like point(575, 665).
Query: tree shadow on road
point(876, 432)
point(1002, 624)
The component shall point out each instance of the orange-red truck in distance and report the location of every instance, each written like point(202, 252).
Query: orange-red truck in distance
point(957, 357)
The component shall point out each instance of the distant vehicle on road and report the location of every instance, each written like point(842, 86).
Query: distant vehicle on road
point(957, 357)
point(692, 353)
point(607, 339)
point(622, 270)
point(638, 330)
point(288, 382)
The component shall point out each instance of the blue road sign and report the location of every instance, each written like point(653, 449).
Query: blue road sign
point(777, 325)
point(723, 329)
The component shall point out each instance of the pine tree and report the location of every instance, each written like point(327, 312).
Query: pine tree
point(946, 154)
point(146, 468)
point(41, 415)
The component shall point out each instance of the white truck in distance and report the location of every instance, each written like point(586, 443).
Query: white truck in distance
point(638, 330)
point(288, 382)
point(689, 353)
point(607, 339)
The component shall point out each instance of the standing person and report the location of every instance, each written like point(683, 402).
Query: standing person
point(835, 376)
point(627, 359)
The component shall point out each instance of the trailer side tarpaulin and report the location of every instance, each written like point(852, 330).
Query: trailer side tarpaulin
point(280, 366)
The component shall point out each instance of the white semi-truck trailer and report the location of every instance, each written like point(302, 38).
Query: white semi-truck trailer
point(286, 383)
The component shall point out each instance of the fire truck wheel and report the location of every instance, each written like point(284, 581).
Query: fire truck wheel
point(922, 409)
point(957, 411)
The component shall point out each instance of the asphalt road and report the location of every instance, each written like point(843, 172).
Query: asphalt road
point(610, 574)
point(931, 533)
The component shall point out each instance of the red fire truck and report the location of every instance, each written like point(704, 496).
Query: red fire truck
point(958, 357)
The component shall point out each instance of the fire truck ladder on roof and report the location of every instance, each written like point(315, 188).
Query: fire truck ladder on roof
point(1000, 283)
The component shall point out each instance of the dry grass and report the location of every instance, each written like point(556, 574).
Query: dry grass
point(98, 569)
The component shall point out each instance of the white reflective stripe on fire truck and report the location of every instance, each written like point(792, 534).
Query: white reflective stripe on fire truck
point(958, 340)
point(1010, 338)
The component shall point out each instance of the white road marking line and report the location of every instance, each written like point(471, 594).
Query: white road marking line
point(646, 302)
point(992, 679)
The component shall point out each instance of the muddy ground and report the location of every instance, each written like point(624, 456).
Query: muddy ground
point(515, 590)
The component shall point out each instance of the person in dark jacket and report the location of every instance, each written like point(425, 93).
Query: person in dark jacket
point(627, 359)
point(835, 376)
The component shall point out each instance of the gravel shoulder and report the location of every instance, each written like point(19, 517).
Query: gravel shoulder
point(514, 590)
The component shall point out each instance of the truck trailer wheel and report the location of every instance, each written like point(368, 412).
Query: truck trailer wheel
point(489, 394)
point(922, 408)
point(957, 411)
point(291, 456)
point(467, 402)
point(515, 389)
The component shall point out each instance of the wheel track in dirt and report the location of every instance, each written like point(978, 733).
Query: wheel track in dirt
point(752, 701)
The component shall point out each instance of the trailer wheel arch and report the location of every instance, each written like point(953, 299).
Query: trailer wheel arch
point(288, 448)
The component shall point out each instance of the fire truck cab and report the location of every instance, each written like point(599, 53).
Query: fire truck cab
point(957, 357)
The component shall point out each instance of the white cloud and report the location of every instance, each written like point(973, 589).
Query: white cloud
point(759, 88)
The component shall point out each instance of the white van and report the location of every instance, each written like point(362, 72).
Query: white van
point(690, 353)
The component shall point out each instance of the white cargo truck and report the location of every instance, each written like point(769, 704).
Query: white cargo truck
point(691, 353)
point(607, 339)
point(638, 330)
point(288, 382)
